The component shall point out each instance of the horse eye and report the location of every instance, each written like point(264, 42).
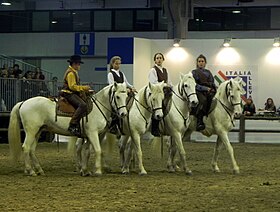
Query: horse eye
point(185, 86)
point(117, 97)
point(150, 94)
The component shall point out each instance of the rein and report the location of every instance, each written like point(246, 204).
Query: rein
point(227, 109)
point(111, 99)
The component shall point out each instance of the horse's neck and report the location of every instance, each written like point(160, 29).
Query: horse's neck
point(181, 104)
point(103, 100)
point(142, 104)
point(223, 99)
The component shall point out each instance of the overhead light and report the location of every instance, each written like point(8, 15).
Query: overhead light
point(276, 42)
point(176, 42)
point(6, 3)
point(227, 42)
point(236, 11)
point(54, 22)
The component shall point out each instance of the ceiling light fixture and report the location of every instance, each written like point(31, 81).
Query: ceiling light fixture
point(176, 42)
point(6, 3)
point(227, 42)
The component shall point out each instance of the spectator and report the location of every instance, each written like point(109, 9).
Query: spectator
point(269, 105)
point(17, 72)
point(38, 74)
point(249, 108)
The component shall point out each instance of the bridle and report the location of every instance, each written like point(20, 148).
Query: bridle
point(112, 99)
point(227, 109)
point(182, 91)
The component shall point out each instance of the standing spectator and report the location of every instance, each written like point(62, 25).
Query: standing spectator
point(269, 105)
point(249, 108)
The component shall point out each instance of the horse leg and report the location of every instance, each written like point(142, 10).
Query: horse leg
point(137, 148)
point(94, 140)
point(79, 146)
point(84, 159)
point(28, 141)
point(34, 158)
point(172, 150)
point(217, 150)
point(178, 140)
point(122, 147)
point(224, 138)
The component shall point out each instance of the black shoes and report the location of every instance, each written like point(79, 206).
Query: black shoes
point(200, 125)
point(75, 129)
point(155, 128)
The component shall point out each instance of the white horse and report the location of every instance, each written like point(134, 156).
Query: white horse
point(147, 103)
point(39, 113)
point(177, 121)
point(220, 120)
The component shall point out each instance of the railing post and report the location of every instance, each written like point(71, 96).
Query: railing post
point(242, 129)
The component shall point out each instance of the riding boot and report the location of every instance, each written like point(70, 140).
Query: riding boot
point(155, 128)
point(200, 125)
point(74, 128)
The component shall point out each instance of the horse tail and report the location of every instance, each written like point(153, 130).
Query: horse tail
point(14, 133)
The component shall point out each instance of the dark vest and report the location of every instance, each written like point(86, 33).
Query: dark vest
point(162, 75)
point(65, 85)
point(118, 79)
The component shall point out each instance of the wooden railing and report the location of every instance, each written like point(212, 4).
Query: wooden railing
point(243, 130)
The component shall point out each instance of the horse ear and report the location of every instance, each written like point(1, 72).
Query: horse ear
point(150, 85)
point(181, 76)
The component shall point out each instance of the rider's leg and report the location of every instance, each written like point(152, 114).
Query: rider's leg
point(81, 107)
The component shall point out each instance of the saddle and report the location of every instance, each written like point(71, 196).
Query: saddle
point(64, 108)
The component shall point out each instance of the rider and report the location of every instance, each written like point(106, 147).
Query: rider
point(205, 90)
point(72, 92)
point(115, 75)
point(158, 74)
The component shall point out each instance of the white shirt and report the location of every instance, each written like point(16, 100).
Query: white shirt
point(153, 78)
point(111, 80)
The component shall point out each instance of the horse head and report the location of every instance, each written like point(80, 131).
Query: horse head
point(187, 90)
point(234, 90)
point(155, 97)
point(118, 98)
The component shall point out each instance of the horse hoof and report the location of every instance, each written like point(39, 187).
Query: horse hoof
point(125, 172)
point(97, 174)
point(85, 174)
point(42, 173)
point(236, 171)
point(143, 173)
point(33, 174)
point(189, 173)
point(216, 171)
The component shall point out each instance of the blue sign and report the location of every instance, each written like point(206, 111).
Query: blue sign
point(84, 43)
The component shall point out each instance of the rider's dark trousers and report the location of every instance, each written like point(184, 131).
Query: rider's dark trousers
point(78, 104)
point(204, 103)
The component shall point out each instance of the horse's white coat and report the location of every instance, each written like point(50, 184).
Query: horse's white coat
point(38, 112)
point(220, 120)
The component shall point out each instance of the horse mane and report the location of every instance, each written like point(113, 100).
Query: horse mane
point(221, 89)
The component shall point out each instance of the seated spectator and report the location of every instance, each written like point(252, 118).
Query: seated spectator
point(4, 73)
point(269, 105)
point(249, 108)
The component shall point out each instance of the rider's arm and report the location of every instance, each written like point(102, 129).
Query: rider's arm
point(153, 76)
point(110, 78)
point(126, 82)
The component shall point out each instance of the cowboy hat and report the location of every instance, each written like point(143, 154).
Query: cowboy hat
point(75, 59)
